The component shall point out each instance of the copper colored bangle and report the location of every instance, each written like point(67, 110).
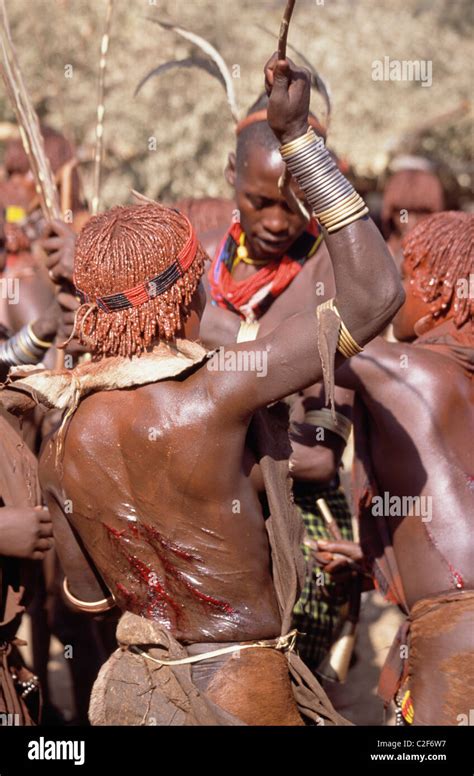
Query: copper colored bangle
point(25, 349)
point(92, 607)
point(331, 201)
point(288, 149)
point(346, 212)
point(343, 203)
point(350, 220)
point(314, 151)
point(348, 349)
point(311, 167)
point(36, 340)
point(331, 196)
point(346, 343)
point(324, 189)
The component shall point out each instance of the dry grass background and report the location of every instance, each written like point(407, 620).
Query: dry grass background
point(186, 111)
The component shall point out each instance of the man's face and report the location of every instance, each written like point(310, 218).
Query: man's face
point(269, 224)
point(412, 310)
point(21, 189)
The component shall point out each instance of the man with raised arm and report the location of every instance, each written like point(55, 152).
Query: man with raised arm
point(169, 496)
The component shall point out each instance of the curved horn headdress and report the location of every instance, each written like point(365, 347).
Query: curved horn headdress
point(217, 68)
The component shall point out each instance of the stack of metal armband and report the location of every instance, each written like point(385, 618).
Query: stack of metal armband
point(23, 348)
point(333, 200)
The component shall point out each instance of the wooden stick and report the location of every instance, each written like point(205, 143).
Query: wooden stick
point(29, 127)
point(28, 123)
point(284, 182)
point(142, 199)
point(99, 129)
point(331, 524)
point(284, 28)
point(317, 82)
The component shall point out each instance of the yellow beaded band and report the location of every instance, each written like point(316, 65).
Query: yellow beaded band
point(346, 344)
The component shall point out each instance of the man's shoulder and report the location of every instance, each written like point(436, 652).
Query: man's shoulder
point(115, 413)
point(411, 364)
point(100, 414)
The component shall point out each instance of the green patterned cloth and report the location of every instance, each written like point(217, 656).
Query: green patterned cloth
point(320, 611)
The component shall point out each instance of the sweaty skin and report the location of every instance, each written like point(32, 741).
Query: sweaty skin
point(156, 493)
point(158, 478)
point(419, 425)
point(416, 409)
point(271, 228)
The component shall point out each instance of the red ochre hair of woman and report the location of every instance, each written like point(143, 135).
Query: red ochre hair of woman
point(439, 252)
point(120, 249)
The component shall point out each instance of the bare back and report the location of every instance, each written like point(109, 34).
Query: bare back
point(420, 429)
point(162, 497)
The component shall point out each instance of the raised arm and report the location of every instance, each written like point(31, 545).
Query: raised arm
point(368, 289)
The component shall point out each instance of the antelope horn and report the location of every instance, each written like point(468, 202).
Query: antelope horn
point(211, 52)
point(144, 200)
point(203, 64)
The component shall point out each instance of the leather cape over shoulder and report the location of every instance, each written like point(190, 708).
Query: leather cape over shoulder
point(63, 389)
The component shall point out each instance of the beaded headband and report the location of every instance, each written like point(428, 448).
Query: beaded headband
point(148, 289)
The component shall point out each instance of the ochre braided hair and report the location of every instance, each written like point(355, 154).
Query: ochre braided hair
point(439, 254)
point(119, 249)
